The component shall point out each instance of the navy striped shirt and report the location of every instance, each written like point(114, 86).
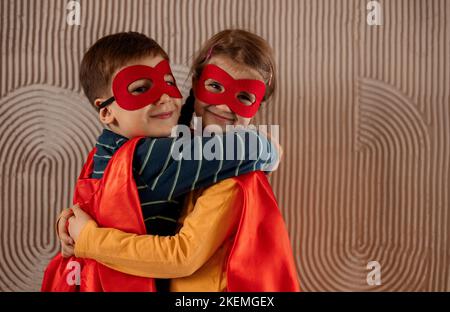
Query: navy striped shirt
point(162, 180)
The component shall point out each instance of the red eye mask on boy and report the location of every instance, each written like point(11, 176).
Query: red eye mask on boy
point(233, 87)
point(158, 86)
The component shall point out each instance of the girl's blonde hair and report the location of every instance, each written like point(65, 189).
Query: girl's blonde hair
point(241, 46)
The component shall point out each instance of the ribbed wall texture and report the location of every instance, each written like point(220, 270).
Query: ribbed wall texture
point(364, 114)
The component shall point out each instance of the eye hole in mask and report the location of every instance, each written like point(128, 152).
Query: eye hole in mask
point(143, 85)
point(140, 86)
point(246, 98)
point(214, 86)
point(243, 97)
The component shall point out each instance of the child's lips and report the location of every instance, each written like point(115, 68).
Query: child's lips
point(220, 117)
point(164, 115)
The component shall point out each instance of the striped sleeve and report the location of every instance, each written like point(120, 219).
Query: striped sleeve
point(170, 167)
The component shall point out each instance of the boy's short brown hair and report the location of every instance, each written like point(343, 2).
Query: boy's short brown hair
point(110, 53)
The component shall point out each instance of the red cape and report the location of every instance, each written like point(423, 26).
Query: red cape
point(261, 258)
point(112, 201)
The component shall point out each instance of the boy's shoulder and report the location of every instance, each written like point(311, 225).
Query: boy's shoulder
point(106, 146)
point(110, 140)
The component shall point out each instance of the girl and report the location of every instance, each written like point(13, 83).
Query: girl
point(232, 236)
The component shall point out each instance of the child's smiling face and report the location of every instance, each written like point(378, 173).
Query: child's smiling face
point(154, 120)
point(222, 115)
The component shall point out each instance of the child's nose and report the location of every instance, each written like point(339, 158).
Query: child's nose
point(165, 98)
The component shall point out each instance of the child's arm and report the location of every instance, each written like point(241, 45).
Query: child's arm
point(169, 178)
point(204, 230)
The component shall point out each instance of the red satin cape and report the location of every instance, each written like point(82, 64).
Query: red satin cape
point(112, 201)
point(261, 258)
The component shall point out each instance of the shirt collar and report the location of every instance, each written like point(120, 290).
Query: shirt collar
point(112, 139)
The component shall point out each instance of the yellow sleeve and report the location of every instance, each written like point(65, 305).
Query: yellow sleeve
point(204, 230)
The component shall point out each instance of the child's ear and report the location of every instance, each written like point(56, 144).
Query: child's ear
point(105, 114)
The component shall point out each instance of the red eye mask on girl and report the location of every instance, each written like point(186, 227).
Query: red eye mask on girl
point(233, 87)
point(158, 86)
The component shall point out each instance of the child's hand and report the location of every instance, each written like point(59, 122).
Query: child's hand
point(67, 243)
point(77, 222)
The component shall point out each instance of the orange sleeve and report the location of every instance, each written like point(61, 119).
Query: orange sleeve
point(204, 230)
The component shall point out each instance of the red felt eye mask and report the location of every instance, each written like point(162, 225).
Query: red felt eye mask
point(158, 86)
point(233, 87)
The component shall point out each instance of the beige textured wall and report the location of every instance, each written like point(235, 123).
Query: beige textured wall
point(364, 114)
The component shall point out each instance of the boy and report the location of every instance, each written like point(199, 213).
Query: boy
point(145, 103)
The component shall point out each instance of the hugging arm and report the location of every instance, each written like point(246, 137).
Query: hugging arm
point(235, 153)
point(203, 232)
